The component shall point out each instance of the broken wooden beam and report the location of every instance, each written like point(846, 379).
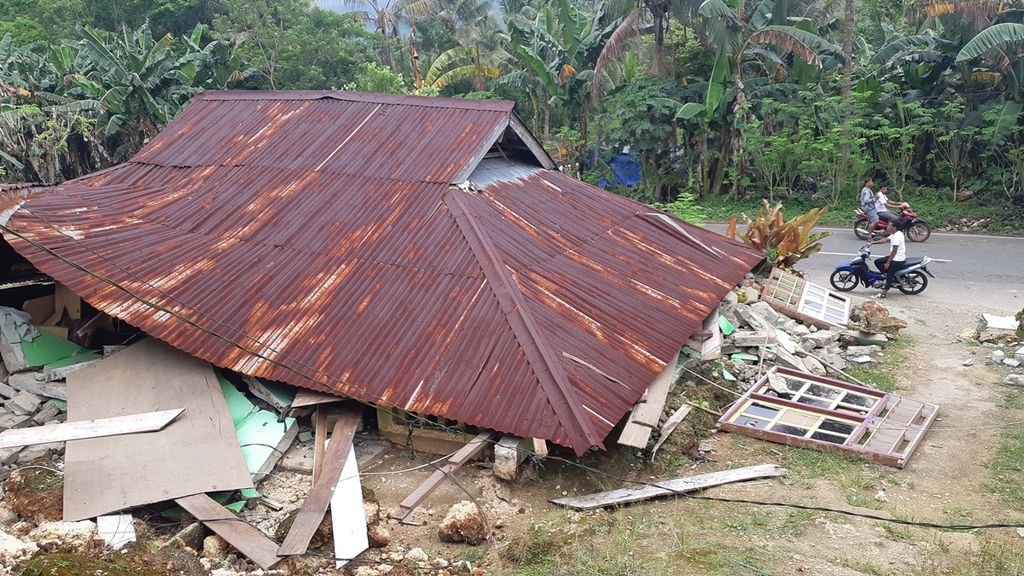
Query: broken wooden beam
point(668, 487)
point(243, 536)
point(348, 515)
point(647, 411)
point(100, 427)
point(670, 425)
point(453, 462)
point(311, 514)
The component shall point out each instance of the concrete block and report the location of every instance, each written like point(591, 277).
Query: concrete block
point(9, 456)
point(997, 356)
point(509, 453)
point(6, 391)
point(862, 350)
point(9, 421)
point(767, 312)
point(819, 339)
point(747, 338)
point(754, 319)
point(48, 413)
point(1011, 362)
point(33, 382)
point(25, 403)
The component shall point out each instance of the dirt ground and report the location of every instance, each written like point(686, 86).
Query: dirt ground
point(943, 483)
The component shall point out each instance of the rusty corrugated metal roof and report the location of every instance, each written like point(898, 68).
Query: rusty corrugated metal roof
point(318, 240)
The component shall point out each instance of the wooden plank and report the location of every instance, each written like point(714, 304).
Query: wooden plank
point(319, 440)
point(319, 498)
point(196, 453)
point(40, 309)
point(246, 538)
point(348, 515)
point(670, 425)
point(667, 487)
point(647, 412)
point(453, 462)
point(312, 398)
point(131, 424)
point(275, 456)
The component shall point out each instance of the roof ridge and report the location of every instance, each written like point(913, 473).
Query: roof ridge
point(546, 366)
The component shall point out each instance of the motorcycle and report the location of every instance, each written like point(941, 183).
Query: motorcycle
point(917, 230)
point(911, 279)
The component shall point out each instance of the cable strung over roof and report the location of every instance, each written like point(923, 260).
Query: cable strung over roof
point(407, 251)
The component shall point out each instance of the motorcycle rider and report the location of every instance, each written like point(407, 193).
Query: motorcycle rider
point(896, 259)
point(882, 205)
point(867, 204)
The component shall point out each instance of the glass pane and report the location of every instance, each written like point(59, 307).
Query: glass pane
point(859, 400)
point(791, 430)
point(828, 437)
point(837, 426)
point(824, 391)
point(742, 420)
point(761, 411)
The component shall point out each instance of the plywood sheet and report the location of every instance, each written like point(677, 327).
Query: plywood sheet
point(196, 453)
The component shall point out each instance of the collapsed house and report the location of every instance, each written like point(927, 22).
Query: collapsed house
point(422, 254)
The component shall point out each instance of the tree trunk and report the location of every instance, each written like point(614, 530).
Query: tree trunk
point(659, 13)
point(847, 49)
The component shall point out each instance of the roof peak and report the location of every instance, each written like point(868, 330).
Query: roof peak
point(372, 97)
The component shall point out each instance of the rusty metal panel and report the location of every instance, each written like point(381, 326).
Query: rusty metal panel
point(388, 139)
point(244, 235)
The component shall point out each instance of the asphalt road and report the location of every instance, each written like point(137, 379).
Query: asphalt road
point(984, 271)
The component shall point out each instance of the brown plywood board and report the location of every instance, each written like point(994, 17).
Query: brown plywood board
point(196, 453)
point(245, 537)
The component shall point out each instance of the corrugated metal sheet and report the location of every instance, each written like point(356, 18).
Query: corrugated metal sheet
point(265, 247)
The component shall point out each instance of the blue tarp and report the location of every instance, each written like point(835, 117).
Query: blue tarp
point(623, 170)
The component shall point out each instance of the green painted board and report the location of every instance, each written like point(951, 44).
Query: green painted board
point(742, 356)
point(728, 376)
point(47, 349)
point(258, 431)
point(725, 325)
point(177, 512)
point(76, 359)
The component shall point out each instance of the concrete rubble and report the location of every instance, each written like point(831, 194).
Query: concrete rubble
point(764, 337)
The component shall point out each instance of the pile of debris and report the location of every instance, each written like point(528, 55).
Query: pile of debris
point(1004, 336)
point(759, 333)
point(92, 443)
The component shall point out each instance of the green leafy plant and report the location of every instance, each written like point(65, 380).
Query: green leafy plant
point(785, 242)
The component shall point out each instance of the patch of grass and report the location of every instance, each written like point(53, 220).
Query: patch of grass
point(884, 374)
point(66, 564)
point(795, 522)
point(862, 501)
point(992, 558)
point(865, 567)
point(534, 546)
point(805, 464)
point(1007, 466)
point(899, 532)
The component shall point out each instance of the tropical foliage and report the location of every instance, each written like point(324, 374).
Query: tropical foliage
point(788, 100)
point(784, 242)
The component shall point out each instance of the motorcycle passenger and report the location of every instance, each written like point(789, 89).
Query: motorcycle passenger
point(867, 204)
point(882, 205)
point(896, 259)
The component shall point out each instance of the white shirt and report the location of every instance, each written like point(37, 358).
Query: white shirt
point(880, 200)
point(900, 243)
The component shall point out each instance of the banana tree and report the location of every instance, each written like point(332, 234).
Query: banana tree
point(555, 51)
point(140, 82)
point(998, 47)
point(457, 64)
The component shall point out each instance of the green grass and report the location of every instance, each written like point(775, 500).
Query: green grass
point(934, 206)
point(1007, 466)
point(991, 558)
point(884, 374)
point(900, 532)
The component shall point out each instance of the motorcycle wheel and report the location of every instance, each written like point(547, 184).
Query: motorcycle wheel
point(913, 283)
point(843, 280)
point(860, 228)
point(919, 232)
